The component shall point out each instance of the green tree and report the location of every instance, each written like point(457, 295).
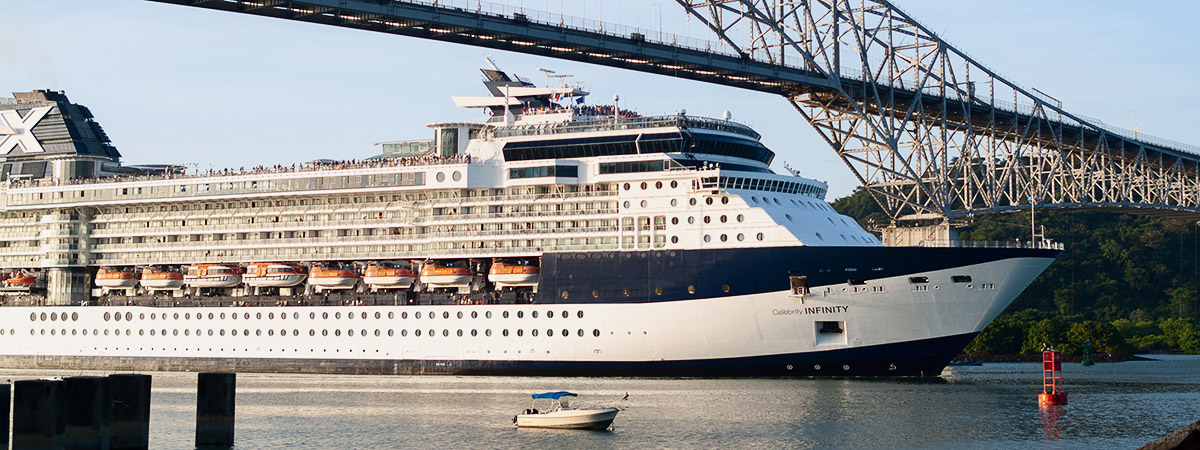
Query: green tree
point(1044, 332)
point(1002, 337)
point(1182, 334)
point(1104, 336)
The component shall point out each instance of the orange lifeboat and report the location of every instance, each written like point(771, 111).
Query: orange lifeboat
point(514, 273)
point(116, 277)
point(389, 275)
point(211, 276)
point(156, 278)
point(323, 277)
point(274, 274)
point(19, 279)
point(447, 274)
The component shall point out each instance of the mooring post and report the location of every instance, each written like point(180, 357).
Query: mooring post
point(37, 414)
point(130, 428)
point(215, 395)
point(5, 400)
point(89, 413)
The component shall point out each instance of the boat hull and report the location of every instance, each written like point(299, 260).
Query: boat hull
point(330, 283)
point(118, 283)
point(514, 279)
point(287, 280)
point(389, 282)
point(167, 283)
point(571, 419)
point(887, 326)
point(214, 281)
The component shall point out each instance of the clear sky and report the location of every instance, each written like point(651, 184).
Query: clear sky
point(174, 84)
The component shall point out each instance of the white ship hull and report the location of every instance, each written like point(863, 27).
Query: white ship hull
point(772, 333)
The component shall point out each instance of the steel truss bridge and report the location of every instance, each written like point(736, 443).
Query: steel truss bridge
point(930, 132)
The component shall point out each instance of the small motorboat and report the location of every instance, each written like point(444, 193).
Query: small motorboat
point(160, 278)
point(561, 415)
point(324, 277)
point(965, 362)
point(447, 274)
point(116, 277)
point(273, 274)
point(389, 275)
point(514, 273)
point(212, 276)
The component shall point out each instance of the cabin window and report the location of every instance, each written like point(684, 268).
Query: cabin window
point(856, 281)
point(961, 278)
point(918, 280)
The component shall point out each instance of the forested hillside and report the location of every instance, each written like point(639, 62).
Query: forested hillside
point(1126, 282)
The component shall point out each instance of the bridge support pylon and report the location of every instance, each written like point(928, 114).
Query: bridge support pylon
point(915, 236)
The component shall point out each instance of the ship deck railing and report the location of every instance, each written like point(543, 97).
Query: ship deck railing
point(626, 123)
point(357, 253)
point(260, 170)
point(1037, 245)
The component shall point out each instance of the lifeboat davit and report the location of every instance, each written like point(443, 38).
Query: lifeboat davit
point(211, 276)
point(19, 279)
point(324, 278)
point(116, 277)
point(446, 274)
point(514, 273)
point(274, 274)
point(387, 275)
point(156, 278)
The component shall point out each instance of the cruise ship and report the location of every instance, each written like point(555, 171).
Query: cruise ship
point(551, 237)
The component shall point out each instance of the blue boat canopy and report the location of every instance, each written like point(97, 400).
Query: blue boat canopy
point(554, 395)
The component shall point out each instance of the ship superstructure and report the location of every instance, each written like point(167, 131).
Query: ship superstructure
point(671, 226)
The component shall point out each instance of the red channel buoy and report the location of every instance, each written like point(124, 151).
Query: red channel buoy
point(1052, 389)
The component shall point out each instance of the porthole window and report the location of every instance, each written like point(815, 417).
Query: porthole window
point(626, 292)
point(116, 317)
point(596, 333)
point(176, 316)
point(504, 332)
point(456, 175)
point(550, 314)
point(460, 333)
point(269, 332)
point(644, 185)
point(674, 202)
point(488, 314)
point(364, 315)
point(297, 315)
point(417, 315)
point(760, 236)
point(580, 314)
point(391, 315)
point(674, 184)
point(564, 295)
point(445, 332)
point(580, 332)
point(521, 314)
point(658, 185)
point(724, 200)
point(533, 332)
point(724, 219)
point(658, 291)
point(564, 314)
point(34, 316)
point(789, 217)
point(691, 220)
point(75, 316)
point(391, 333)
point(644, 203)
point(311, 315)
point(311, 332)
point(403, 333)
point(337, 332)
point(53, 316)
point(269, 316)
point(336, 315)
point(521, 332)
point(627, 204)
point(403, 315)
point(724, 288)
point(446, 315)
point(460, 314)
point(129, 316)
point(692, 201)
point(707, 238)
point(818, 236)
point(417, 332)
point(753, 199)
point(741, 237)
point(707, 219)
point(626, 186)
point(691, 289)
point(533, 314)
point(708, 201)
point(325, 315)
point(674, 239)
point(487, 332)
point(441, 176)
point(474, 332)
point(504, 314)
point(724, 238)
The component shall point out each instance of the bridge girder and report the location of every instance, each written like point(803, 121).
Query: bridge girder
point(933, 134)
point(925, 128)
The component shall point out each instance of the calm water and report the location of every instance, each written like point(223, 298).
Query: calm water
point(1122, 405)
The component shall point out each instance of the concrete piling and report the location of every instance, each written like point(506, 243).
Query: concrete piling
point(215, 400)
point(5, 400)
point(130, 427)
point(89, 413)
point(38, 414)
